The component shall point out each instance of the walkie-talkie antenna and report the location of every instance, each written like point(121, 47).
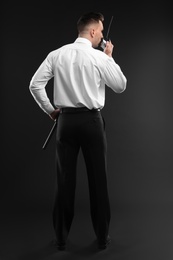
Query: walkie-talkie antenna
point(107, 35)
point(103, 42)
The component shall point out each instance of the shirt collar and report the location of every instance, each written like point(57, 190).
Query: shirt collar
point(83, 40)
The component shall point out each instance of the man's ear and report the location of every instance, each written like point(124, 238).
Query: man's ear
point(92, 32)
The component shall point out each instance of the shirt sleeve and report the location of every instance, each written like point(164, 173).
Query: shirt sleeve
point(113, 76)
point(38, 84)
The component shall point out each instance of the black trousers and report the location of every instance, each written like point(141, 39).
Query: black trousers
point(85, 131)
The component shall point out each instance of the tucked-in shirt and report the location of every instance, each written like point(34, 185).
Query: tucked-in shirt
point(80, 73)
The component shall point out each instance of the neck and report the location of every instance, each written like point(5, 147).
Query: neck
point(86, 36)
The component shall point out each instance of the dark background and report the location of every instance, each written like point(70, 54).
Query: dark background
point(139, 125)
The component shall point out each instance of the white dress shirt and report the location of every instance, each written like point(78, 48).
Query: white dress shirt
point(80, 74)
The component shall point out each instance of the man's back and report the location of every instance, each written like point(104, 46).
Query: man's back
point(80, 73)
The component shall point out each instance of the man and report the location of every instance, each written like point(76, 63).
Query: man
point(81, 71)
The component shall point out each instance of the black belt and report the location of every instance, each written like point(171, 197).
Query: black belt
point(77, 109)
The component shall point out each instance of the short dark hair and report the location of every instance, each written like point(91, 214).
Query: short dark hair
point(87, 19)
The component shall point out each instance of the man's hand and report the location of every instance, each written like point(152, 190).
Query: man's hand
point(109, 48)
point(54, 115)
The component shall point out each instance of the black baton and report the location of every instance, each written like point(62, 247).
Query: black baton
point(50, 135)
